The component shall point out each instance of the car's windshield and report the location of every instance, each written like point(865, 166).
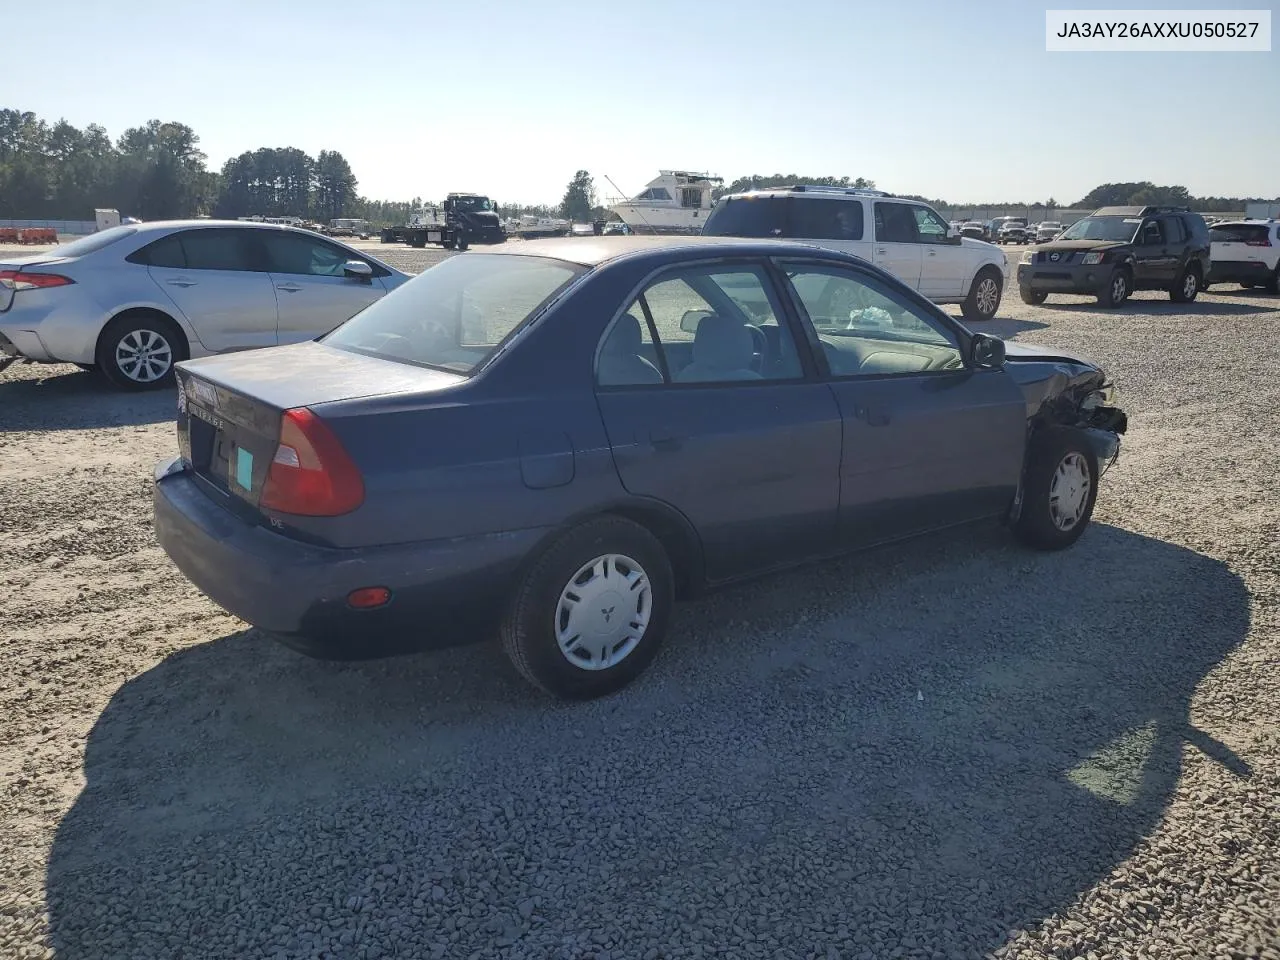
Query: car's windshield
point(472, 204)
point(456, 314)
point(94, 241)
point(1121, 229)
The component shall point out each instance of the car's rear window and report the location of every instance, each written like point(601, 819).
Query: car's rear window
point(456, 314)
point(1238, 232)
point(95, 241)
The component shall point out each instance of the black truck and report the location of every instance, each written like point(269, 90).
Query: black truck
point(463, 219)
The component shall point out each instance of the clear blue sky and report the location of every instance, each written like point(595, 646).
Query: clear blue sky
point(948, 99)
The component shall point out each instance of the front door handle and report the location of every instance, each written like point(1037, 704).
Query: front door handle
point(881, 250)
point(288, 287)
point(181, 282)
point(878, 417)
point(933, 253)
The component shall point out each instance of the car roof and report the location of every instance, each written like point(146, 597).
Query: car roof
point(154, 226)
point(592, 251)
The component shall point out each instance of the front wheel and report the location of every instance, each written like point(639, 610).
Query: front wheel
point(1033, 297)
point(462, 243)
point(1273, 282)
point(1186, 287)
point(590, 613)
point(1060, 487)
point(984, 296)
point(1117, 289)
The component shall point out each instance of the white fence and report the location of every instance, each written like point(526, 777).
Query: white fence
point(70, 227)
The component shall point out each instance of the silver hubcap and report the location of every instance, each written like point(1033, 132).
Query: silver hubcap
point(1118, 287)
point(144, 355)
point(1069, 491)
point(988, 296)
point(1189, 285)
point(603, 612)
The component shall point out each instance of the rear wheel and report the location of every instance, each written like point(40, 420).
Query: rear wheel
point(137, 351)
point(1033, 297)
point(984, 296)
point(590, 613)
point(1059, 489)
point(1187, 285)
point(1273, 284)
point(1117, 289)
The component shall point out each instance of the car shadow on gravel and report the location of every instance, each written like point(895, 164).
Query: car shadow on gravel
point(71, 399)
point(926, 747)
point(1133, 306)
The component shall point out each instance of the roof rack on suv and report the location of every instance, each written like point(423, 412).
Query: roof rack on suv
point(828, 188)
point(1138, 211)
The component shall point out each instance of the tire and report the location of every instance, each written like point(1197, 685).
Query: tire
point(1117, 289)
point(1247, 286)
point(1273, 284)
point(158, 339)
point(1033, 297)
point(1187, 286)
point(447, 244)
point(538, 617)
point(984, 295)
point(462, 243)
point(1055, 510)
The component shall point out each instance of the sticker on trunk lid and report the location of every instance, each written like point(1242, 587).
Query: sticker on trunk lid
point(244, 468)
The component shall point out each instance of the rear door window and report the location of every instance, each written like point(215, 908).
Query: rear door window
point(219, 250)
point(815, 218)
point(165, 252)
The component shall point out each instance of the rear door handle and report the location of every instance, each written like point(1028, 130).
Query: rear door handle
point(881, 250)
point(181, 282)
point(288, 287)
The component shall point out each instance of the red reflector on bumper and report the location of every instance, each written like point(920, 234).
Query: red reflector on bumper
point(368, 597)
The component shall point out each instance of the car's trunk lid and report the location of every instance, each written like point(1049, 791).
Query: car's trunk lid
point(229, 406)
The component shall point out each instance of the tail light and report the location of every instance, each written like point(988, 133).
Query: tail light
point(311, 475)
point(1264, 242)
point(25, 280)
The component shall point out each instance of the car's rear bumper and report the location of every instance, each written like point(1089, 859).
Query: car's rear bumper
point(1071, 278)
point(444, 592)
point(1239, 271)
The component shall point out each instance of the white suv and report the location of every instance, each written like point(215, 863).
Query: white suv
point(1247, 252)
point(906, 237)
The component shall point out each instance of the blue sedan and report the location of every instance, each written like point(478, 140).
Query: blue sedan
point(558, 439)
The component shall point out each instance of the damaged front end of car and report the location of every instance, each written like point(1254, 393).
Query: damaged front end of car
point(1063, 391)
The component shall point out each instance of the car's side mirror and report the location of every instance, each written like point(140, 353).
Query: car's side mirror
point(986, 352)
point(357, 270)
point(953, 232)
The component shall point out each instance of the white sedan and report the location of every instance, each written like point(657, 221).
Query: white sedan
point(133, 300)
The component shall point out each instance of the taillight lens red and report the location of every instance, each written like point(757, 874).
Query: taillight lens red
point(1264, 242)
point(311, 474)
point(25, 280)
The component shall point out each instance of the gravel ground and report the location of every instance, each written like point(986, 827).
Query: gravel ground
point(954, 748)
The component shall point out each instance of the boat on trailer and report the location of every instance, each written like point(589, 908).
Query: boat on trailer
point(676, 201)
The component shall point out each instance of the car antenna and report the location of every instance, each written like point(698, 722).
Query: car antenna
point(624, 197)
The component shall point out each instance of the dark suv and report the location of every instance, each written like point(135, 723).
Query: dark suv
point(1117, 250)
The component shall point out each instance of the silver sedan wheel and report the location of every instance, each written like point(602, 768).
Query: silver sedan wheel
point(1190, 284)
point(988, 296)
point(603, 612)
point(144, 356)
point(1069, 491)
